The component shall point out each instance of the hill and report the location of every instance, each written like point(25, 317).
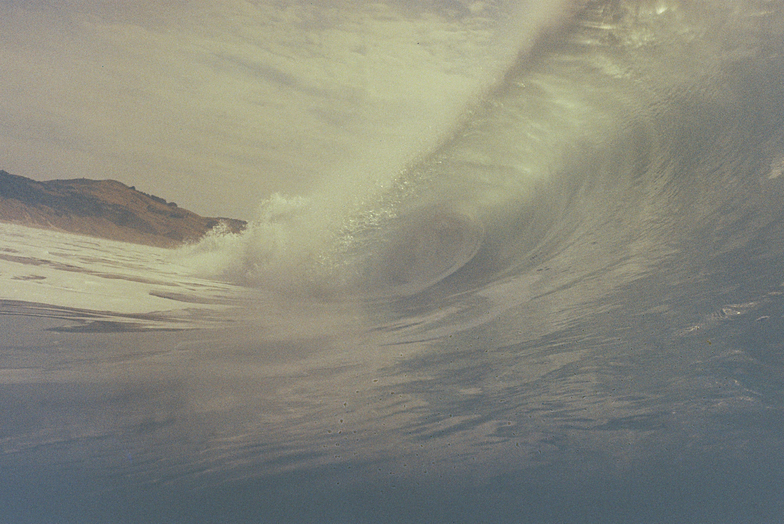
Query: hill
point(102, 208)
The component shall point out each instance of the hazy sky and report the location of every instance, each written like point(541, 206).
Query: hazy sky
point(216, 104)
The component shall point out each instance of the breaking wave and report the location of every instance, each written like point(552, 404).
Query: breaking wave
point(610, 144)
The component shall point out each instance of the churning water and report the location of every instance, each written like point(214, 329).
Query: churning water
point(570, 310)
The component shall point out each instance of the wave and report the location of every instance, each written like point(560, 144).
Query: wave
point(612, 142)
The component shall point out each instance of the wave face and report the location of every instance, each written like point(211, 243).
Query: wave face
point(601, 234)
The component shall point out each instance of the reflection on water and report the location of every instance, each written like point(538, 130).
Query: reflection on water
point(572, 311)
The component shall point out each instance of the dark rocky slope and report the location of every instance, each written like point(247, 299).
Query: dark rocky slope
point(102, 208)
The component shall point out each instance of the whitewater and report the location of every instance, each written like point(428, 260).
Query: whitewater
point(562, 303)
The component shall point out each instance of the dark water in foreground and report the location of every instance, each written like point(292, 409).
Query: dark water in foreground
point(572, 311)
point(118, 427)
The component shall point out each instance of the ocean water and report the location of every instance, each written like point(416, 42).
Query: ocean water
point(570, 309)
